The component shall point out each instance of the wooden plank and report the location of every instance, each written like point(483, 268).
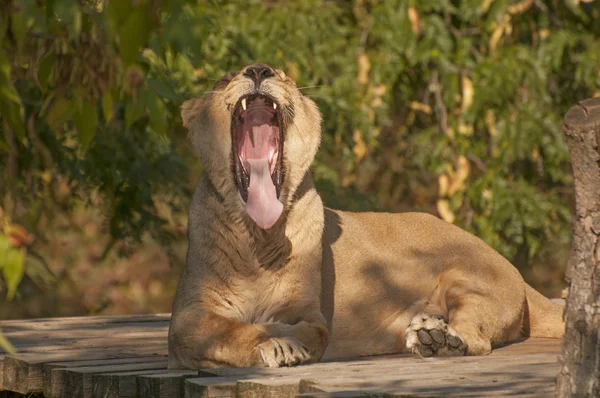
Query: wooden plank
point(81, 330)
point(528, 374)
point(98, 342)
point(54, 372)
point(516, 377)
point(164, 385)
point(274, 387)
point(99, 334)
point(77, 382)
point(211, 387)
point(83, 320)
point(24, 373)
point(119, 385)
point(19, 377)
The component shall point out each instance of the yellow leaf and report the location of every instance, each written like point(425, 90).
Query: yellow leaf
point(465, 129)
point(490, 122)
point(504, 27)
point(467, 94)
point(443, 208)
point(364, 66)
point(463, 170)
point(360, 149)
point(496, 36)
point(415, 21)
point(520, 7)
point(443, 183)
point(487, 194)
point(379, 90)
point(485, 5)
point(419, 106)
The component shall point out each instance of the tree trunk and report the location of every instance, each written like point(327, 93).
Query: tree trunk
point(579, 375)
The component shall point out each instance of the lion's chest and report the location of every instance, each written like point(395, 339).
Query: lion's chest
point(252, 301)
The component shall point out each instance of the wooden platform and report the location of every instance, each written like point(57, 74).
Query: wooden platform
point(126, 357)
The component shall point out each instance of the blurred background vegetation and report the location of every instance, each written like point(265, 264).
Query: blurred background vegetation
point(445, 106)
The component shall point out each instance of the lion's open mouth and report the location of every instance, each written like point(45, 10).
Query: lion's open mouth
point(256, 130)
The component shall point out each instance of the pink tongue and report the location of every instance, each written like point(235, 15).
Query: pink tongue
point(262, 206)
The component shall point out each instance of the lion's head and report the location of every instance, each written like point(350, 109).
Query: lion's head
point(256, 136)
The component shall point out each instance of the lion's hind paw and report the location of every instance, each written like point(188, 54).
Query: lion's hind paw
point(431, 336)
point(283, 351)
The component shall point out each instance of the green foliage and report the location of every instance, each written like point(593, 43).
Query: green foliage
point(11, 265)
point(443, 106)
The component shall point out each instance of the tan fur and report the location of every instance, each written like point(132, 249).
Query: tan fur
point(320, 282)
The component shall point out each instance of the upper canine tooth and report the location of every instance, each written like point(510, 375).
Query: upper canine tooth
point(244, 103)
point(274, 105)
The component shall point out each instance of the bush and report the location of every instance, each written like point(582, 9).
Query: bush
point(444, 106)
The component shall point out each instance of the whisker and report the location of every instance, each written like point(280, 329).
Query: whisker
point(310, 96)
point(301, 88)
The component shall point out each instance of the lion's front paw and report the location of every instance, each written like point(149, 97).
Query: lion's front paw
point(432, 336)
point(283, 351)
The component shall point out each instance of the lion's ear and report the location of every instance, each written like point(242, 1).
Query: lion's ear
point(224, 81)
point(190, 110)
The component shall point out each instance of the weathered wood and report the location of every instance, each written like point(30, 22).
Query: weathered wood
point(580, 360)
point(211, 387)
point(68, 338)
point(63, 336)
point(125, 366)
point(24, 373)
point(20, 377)
point(54, 372)
point(276, 387)
point(119, 385)
point(164, 385)
point(52, 323)
point(77, 382)
point(526, 369)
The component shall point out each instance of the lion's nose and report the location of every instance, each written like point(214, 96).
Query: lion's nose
point(258, 73)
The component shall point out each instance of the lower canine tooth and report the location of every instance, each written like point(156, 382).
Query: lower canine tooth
point(274, 105)
point(244, 103)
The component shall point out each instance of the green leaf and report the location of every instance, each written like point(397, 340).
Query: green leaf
point(38, 270)
point(45, 69)
point(11, 106)
point(162, 89)
point(133, 111)
point(5, 345)
point(14, 115)
point(7, 89)
point(86, 122)
point(69, 13)
point(117, 12)
point(22, 20)
point(11, 263)
point(60, 111)
point(107, 106)
point(134, 34)
point(158, 115)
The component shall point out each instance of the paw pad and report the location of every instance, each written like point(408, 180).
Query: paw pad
point(432, 336)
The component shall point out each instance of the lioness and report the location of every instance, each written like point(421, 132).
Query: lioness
point(273, 278)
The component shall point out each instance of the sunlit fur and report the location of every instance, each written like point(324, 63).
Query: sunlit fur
point(320, 282)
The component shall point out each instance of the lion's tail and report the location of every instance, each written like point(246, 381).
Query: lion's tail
point(543, 318)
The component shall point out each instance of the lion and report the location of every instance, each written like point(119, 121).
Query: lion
point(273, 278)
